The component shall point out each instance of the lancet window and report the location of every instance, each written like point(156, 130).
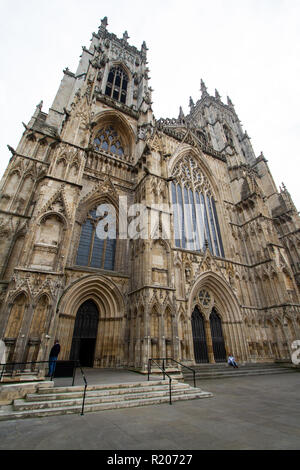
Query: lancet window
point(117, 83)
point(93, 251)
point(109, 140)
point(195, 214)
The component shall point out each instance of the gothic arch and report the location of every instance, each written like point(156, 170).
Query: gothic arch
point(110, 303)
point(121, 125)
point(118, 63)
point(225, 300)
point(23, 290)
point(117, 82)
point(227, 306)
point(197, 217)
point(48, 214)
point(197, 156)
point(96, 198)
point(104, 292)
point(45, 245)
point(18, 304)
point(86, 214)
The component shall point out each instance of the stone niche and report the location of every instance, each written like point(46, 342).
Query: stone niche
point(159, 264)
point(47, 242)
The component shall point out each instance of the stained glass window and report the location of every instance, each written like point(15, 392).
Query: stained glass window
point(194, 209)
point(109, 140)
point(92, 251)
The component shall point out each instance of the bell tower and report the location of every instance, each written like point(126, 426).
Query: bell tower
point(113, 73)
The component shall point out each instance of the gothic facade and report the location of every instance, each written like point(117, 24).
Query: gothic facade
point(222, 277)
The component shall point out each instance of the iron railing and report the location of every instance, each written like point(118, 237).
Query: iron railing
point(36, 367)
point(150, 361)
point(17, 368)
point(85, 387)
point(166, 359)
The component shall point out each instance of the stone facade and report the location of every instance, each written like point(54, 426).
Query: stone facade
point(234, 288)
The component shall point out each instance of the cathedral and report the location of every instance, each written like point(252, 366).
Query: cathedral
point(129, 238)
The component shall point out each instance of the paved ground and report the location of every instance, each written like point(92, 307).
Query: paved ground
point(255, 413)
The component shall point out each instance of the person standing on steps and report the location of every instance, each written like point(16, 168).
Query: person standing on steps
point(53, 358)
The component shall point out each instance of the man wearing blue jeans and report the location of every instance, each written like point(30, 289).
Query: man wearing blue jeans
point(232, 362)
point(53, 358)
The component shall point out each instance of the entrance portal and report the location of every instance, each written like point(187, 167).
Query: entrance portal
point(217, 337)
point(85, 334)
point(198, 329)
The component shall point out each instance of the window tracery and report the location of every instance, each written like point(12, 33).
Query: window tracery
point(109, 140)
point(195, 215)
point(204, 297)
point(117, 83)
point(93, 251)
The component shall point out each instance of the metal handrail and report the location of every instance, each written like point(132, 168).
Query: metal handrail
point(177, 362)
point(164, 373)
point(85, 387)
point(15, 369)
point(76, 364)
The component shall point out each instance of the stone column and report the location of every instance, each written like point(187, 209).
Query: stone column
point(210, 351)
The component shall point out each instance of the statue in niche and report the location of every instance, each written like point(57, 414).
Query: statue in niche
point(188, 273)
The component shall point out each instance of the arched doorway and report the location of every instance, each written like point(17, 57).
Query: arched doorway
point(217, 337)
point(109, 319)
point(198, 329)
point(225, 332)
point(85, 334)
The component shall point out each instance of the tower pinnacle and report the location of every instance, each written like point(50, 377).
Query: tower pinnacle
point(203, 88)
point(125, 36)
point(217, 95)
point(104, 22)
point(181, 114)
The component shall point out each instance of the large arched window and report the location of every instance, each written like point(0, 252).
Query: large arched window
point(93, 251)
point(195, 214)
point(117, 83)
point(109, 140)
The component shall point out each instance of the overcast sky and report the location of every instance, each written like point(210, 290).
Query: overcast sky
point(247, 49)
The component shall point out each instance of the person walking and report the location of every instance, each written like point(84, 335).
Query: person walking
point(53, 358)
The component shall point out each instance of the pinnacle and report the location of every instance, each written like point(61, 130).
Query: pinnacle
point(104, 22)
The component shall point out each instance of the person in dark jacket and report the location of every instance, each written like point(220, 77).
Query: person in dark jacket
point(53, 358)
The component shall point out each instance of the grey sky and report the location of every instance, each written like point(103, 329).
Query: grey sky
point(248, 50)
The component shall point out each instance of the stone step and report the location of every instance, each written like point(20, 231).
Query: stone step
point(21, 405)
point(224, 365)
point(99, 393)
point(11, 414)
point(8, 413)
point(245, 367)
point(236, 373)
point(177, 377)
point(117, 386)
